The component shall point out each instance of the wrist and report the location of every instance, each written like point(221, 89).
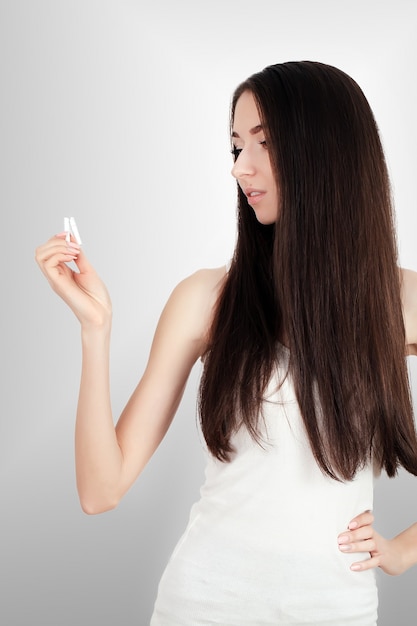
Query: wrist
point(405, 546)
point(97, 329)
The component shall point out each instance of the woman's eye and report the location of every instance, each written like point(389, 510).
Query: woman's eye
point(263, 143)
point(235, 152)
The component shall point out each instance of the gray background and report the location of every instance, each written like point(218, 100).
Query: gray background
point(117, 113)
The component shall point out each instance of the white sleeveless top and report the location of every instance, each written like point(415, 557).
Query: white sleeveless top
point(261, 543)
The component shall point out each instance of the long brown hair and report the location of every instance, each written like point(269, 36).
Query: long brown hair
point(325, 277)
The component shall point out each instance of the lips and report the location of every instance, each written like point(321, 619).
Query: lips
point(254, 195)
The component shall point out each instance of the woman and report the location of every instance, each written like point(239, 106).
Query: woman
point(304, 394)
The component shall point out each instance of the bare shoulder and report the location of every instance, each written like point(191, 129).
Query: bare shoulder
point(409, 303)
point(205, 281)
point(191, 305)
point(202, 288)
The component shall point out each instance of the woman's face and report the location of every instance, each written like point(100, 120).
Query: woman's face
point(252, 168)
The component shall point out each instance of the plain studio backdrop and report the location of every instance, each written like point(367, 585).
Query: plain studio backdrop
point(116, 112)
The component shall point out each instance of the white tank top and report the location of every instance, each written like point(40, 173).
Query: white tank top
point(261, 543)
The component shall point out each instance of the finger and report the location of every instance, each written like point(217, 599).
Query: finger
point(54, 241)
point(367, 564)
point(367, 545)
point(52, 258)
point(364, 532)
point(55, 245)
point(58, 239)
point(54, 262)
point(81, 259)
point(364, 519)
point(83, 263)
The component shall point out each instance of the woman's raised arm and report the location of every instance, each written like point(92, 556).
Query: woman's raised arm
point(109, 459)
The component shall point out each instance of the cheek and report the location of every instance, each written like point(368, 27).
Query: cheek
point(275, 206)
point(270, 176)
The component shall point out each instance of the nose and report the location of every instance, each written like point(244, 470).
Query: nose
point(243, 166)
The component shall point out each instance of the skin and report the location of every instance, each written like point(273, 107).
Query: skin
point(252, 168)
point(109, 459)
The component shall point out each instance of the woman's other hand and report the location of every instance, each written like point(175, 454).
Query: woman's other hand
point(362, 537)
point(83, 291)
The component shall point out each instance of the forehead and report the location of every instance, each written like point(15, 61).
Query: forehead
point(246, 114)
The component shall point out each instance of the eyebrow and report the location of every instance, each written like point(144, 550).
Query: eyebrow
point(253, 131)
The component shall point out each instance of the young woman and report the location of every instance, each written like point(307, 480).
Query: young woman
point(304, 394)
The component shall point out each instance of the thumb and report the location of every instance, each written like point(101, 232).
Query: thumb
point(83, 263)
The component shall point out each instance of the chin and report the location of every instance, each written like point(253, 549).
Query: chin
point(266, 220)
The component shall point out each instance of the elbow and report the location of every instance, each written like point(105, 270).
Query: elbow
point(98, 496)
point(94, 507)
point(95, 510)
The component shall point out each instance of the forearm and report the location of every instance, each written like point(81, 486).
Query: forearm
point(97, 454)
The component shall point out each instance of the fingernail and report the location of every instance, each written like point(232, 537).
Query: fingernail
point(345, 547)
point(355, 568)
point(343, 539)
point(353, 525)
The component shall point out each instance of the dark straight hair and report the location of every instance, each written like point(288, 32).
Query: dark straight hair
point(325, 277)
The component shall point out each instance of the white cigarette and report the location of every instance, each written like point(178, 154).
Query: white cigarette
point(75, 230)
point(67, 229)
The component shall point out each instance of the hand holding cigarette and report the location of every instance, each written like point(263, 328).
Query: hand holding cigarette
point(81, 288)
